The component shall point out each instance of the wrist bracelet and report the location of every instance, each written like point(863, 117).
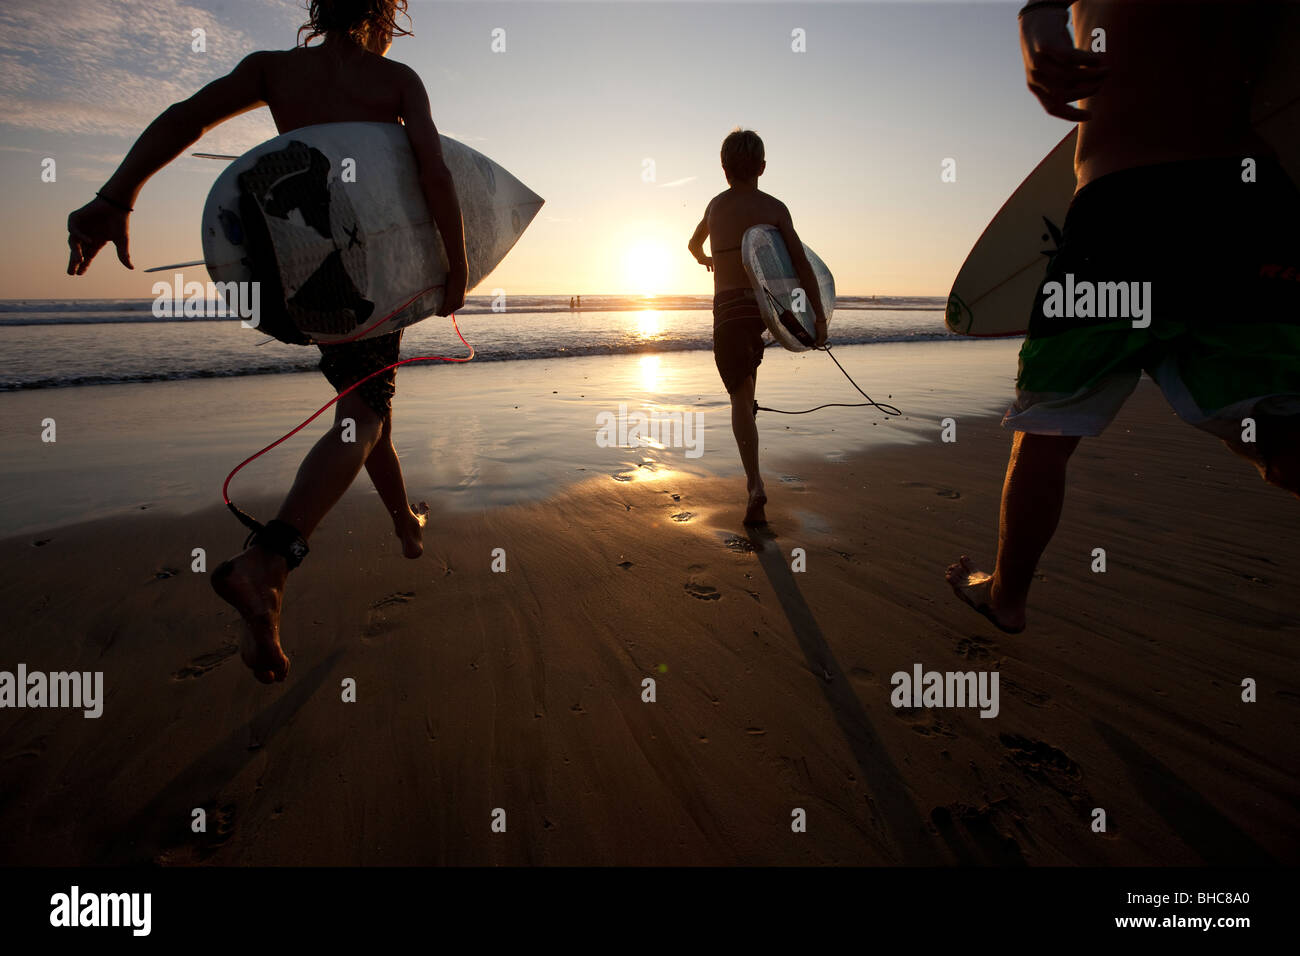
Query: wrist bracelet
point(1039, 4)
point(113, 202)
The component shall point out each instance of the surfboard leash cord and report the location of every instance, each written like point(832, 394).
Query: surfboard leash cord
point(252, 523)
point(869, 403)
point(800, 332)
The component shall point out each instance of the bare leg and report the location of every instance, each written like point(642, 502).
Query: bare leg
point(253, 581)
point(1277, 454)
point(331, 466)
point(745, 428)
point(1032, 496)
point(386, 475)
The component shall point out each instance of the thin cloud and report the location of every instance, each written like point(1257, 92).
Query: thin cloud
point(109, 68)
point(678, 182)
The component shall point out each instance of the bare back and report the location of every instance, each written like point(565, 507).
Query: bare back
point(1179, 83)
point(730, 214)
point(320, 84)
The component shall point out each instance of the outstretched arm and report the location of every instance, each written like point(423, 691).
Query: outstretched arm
point(176, 128)
point(438, 187)
point(696, 245)
point(804, 270)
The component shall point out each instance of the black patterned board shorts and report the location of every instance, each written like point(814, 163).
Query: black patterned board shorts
point(346, 363)
point(738, 329)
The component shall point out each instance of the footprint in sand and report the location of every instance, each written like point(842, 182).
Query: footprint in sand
point(923, 722)
point(221, 828)
point(198, 666)
point(941, 492)
point(683, 516)
point(739, 545)
point(377, 625)
point(1046, 763)
point(41, 542)
point(202, 846)
point(621, 477)
point(703, 592)
point(974, 648)
point(163, 573)
point(33, 749)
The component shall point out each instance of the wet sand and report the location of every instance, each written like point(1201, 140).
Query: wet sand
point(522, 690)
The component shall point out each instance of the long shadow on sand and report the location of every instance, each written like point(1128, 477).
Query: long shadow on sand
point(164, 822)
point(1207, 831)
point(878, 771)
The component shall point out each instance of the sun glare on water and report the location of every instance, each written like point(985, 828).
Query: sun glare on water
point(649, 325)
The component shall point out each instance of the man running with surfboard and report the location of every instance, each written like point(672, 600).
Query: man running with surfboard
point(738, 324)
point(1176, 190)
point(343, 79)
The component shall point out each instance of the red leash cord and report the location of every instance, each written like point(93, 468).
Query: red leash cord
point(225, 495)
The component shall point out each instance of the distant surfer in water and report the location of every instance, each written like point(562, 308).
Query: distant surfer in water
point(737, 322)
point(1164, 132)
point(343, 79)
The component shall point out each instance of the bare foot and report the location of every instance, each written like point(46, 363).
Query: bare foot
point(253, 583)
point(410, 529)
point(975, 589)
point(755, 514)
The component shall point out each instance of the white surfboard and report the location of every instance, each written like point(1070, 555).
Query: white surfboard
point(330, 220)
point(993, 293)
point(772, 274)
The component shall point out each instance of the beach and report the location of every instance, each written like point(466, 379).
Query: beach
point(519, 695)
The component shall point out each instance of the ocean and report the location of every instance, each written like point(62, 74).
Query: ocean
point(52, 343)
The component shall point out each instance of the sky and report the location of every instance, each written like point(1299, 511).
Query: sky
point(856, 128)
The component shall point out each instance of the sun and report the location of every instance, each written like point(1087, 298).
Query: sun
point(647, 267)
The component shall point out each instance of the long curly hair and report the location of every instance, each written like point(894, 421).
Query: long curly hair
point(356, 18)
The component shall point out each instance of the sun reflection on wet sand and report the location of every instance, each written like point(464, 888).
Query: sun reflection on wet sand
point(650, 370)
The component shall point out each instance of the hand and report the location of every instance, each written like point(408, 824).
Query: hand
point(1057, 71)
point(454, 293)
point(706, 261)
point(821, 332)
point(89, 228)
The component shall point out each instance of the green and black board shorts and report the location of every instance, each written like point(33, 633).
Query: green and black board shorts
point(1221, 255)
